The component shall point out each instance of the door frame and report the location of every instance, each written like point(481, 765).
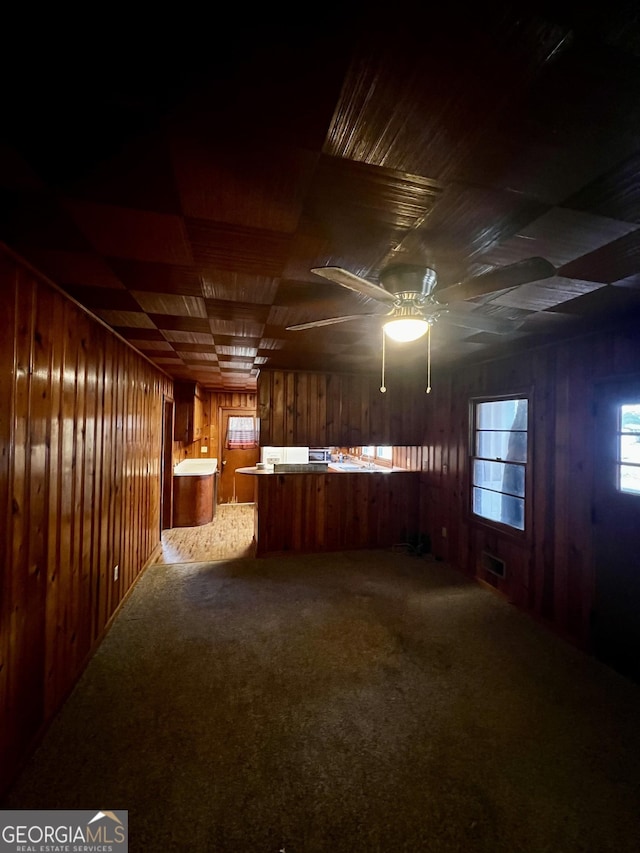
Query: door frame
point(613, 631)
point(166, 463)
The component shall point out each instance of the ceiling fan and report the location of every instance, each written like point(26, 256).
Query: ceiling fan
point(409, 291)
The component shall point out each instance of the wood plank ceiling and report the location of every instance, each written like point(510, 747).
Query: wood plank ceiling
point(182, 186)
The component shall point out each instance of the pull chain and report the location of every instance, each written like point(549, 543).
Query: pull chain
point(384, 354)
point(428, 391)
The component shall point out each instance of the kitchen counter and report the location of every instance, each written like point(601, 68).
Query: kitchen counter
point(333, 510)
point(330, 468)
point(285, 468)
point(194, 492)
point(195, 467)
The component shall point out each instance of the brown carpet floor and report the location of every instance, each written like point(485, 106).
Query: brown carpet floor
point(359, 702)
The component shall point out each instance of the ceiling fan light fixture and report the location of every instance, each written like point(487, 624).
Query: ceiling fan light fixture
point(406, 329)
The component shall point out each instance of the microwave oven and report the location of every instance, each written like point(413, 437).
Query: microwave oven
point(319, 454)
point(279, 455)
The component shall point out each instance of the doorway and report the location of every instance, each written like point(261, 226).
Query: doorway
point(234, 488)
point(616, 529)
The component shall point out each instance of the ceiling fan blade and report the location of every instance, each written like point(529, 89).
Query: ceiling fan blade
point(503, 278)
point(328, 322)
point(355, 282)
point(466, 315)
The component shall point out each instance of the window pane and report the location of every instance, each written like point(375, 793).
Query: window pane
point(499, 460)
point(497, 507)
point(630, 479)
point(385, 452)
point(499, 476)
point(502, 445)
point(630, 448)
point(630, 417)
point(502, 414)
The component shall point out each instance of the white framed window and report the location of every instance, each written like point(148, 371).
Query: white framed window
point(628, 444)
point(499, 455)
point(381, 455)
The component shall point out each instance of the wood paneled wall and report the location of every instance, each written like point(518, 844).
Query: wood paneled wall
point(409, 458)
point(305, 513)
point(80, 441)
point(324, 409)
point(550, 571)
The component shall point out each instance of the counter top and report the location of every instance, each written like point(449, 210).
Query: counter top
point(195, 468)
point(363, 468)
point(332, 468)
point(297, 513)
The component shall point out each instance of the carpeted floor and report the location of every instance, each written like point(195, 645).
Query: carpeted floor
point(360, 702)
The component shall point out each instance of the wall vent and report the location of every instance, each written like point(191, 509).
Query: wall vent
point(492, 564)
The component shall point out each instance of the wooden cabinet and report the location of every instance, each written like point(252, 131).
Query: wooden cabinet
point(194, 500)
point(191, 412)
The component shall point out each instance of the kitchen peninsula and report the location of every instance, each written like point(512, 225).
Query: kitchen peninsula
point(333, 509)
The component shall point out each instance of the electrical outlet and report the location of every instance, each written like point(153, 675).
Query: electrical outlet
point(116, 569)
point(444, 532)
point(204, 450)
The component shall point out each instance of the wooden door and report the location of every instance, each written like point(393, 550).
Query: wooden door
point(232, 487)
point(616, 529)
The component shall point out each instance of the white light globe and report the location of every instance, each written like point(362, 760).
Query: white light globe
point(406, 329)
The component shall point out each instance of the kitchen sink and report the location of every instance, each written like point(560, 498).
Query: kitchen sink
point(355, 466)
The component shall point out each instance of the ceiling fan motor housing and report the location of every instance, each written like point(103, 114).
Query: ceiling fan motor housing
point(408, 278)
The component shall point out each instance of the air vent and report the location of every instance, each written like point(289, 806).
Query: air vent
point(492, 564)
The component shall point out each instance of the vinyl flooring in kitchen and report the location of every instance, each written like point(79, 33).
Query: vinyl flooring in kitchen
point(227, 537)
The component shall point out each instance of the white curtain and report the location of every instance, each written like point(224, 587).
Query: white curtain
point(242, 433)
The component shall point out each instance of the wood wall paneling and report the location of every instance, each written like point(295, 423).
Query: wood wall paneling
point(264, 408)
point(80, 437)
point(550, 569)
point(333, 411)
point(543, 512)
point(27, 582)
point(56, 485)
point(341, 410)
point(7, 391)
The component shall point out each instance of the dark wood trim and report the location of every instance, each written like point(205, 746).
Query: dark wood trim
point(168, 416)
